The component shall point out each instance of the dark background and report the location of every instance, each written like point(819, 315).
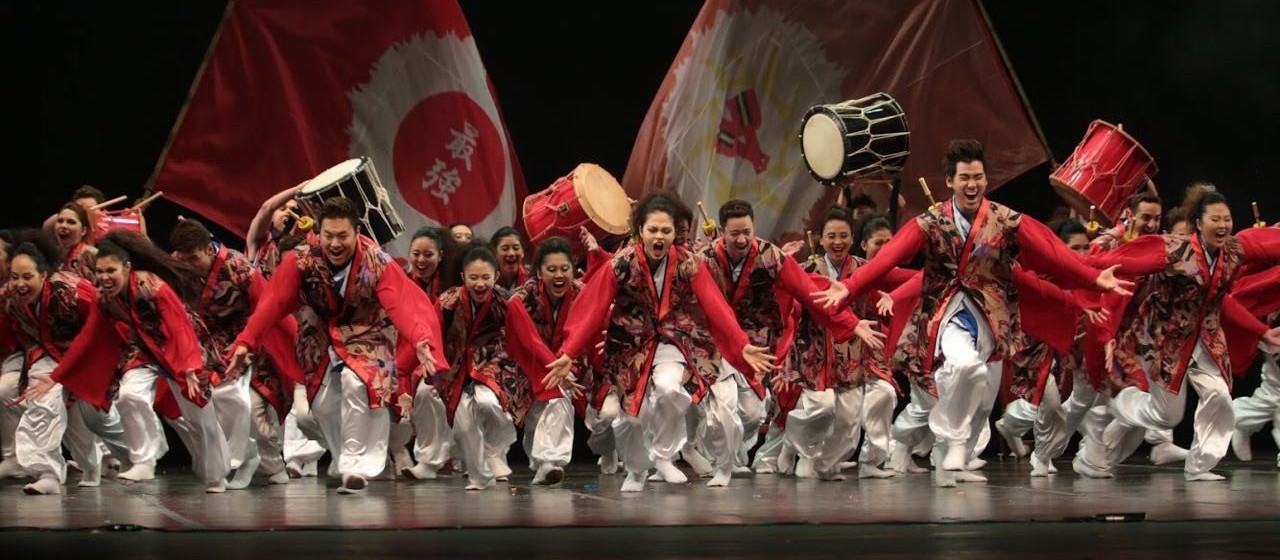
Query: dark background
point(93, 88)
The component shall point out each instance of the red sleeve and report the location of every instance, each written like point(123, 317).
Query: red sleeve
point(1140, 257)
point(8, 342)
point(280, 299)
point(412, 312)
point(281, 342)
point(895, 278)
point(89, 366)
point(1261, 246)
point(181, 350)
point(86, 297)
point(590, 313)
point(725, 331)
point(905, 298)
point(526, 348)
point(595, 261)
point(1243, 331)
point(1048, 313)
point(908, 290)
point(1259, 293)
point(904, 245)
point(840, 324)
point(1041, 251)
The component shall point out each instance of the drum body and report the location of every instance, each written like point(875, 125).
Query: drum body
point(1105, 170)
point(587, 197)
point(104, 222)
point(866, 137)
point(356, 180)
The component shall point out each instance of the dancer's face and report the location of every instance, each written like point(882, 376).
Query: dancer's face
point(970, 184)
point(738, 235)
point(556, 273)
point(112, 274)
point(68, 227)
point(510, 254)
point(424, 257)
point(26, 279)
point(872, 245)
point(837, 238)
point(657, 234)
point(478, 277)
point(338, 237)
point(1215, 225)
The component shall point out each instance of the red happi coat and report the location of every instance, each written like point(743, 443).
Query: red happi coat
point(227, 298)
point(979, 266)
point(641, 318)
point(1179, 303)
point(63, 306)
point(361, 324)
point(510, 283)
point(1051, 339)
point(145, 324)
point(475, 341)
point(268, 257)
point(1258, 295)
point(80, 260)
point(535, 333)
point(429, 286)
point(765, 295)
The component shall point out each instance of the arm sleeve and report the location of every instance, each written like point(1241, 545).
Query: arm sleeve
point(840, 324)
point(181, 348)
point(590, 313)
point(1261, 246)
point(1140, 257)
point(524, 346)
point(279, 299)
point(1041, 251)
point(411, 311)
point(901, 248)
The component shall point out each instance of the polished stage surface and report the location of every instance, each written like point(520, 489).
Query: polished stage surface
point(1011, 515)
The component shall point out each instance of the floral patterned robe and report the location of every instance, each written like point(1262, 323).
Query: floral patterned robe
point(641, 318)
point(63, 306)
point(361, 323)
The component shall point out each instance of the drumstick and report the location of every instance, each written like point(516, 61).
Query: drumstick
point(1257, 216)
point(1093, 225)
point(144, 202)
point(813, 253)
point(102, 205)
point(928, 193)
point(708, 225)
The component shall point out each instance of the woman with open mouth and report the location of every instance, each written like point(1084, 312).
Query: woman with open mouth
point(71, 228)
point(506, 244)
point(536, 315)
point(143, 321)
point(484, 393)
point(46, 309)
point(645, 297)
point(1170, 334)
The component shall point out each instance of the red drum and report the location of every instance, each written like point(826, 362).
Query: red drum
point(129, 218)
point(1105, 170)
point(588, 197)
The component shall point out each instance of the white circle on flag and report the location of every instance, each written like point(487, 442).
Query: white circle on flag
point(427, 119)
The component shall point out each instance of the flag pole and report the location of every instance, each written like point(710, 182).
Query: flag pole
point(150, 185)
point(1013, 75)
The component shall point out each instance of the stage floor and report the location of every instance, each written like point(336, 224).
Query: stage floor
point(176, 501)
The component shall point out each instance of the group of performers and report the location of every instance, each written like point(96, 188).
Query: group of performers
point(673, 347)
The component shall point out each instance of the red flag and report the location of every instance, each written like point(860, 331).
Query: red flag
point(749, 70)
point(292, 88)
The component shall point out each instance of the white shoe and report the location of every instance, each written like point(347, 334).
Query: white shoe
point(401, 459)
point(43, 487)
point(281, 477)
point(1016, 445)
point(72, 465)
point(804, 469)
point(697, 461)
point(1204, 477)
point(634, 482)
point(420, 471)
point(472, 485)
point(11, 469)
point(943, 478)
point(608, 463)
point(501, 470)
point(900, 460)
point(871, 471)
point(975, 464)
point(742, 469)
point(139, 472)
point(216, 487)
point(91, 479)
point(721, 478)
point(293, 469)
point(669, 472)
point(1240, 445)
point(1085, 470)
point(954, 460)
point(548, 475)
point(352, 484)
point(244, 475)
point(967, 476)
point(766, 469)
point(846, 465)
point(1039, 468)
point(1166, 453)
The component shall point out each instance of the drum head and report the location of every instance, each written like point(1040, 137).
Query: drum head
point(602, 197)
point(823, 143)
point(332, 175)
